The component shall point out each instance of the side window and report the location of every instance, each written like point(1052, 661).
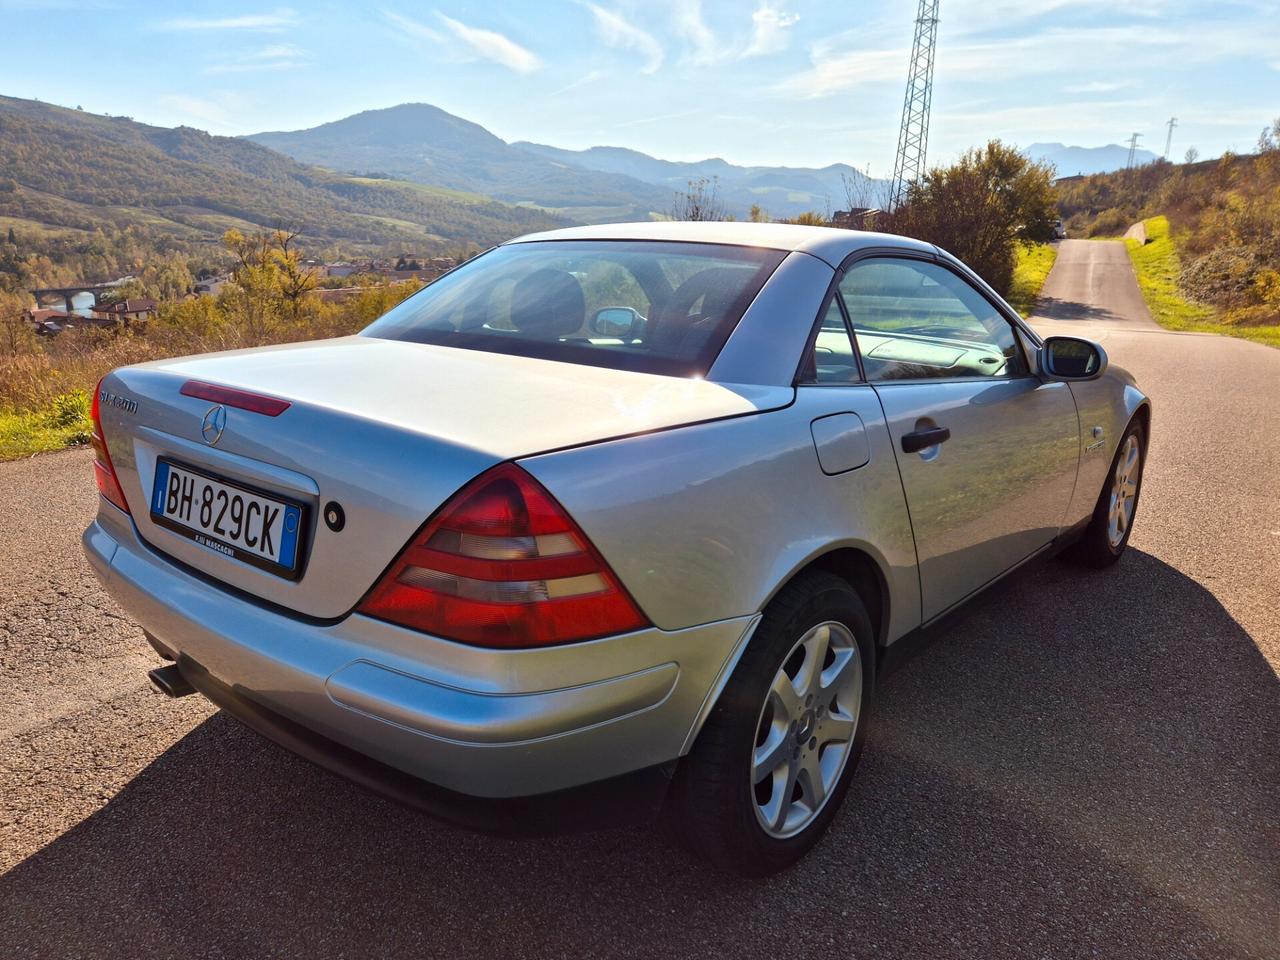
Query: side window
point(832, 359)
point(917, 320)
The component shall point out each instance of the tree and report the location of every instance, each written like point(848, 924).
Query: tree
point(13, 237)
point(16, 333)
point(1192, 155)
point(980, 208)
point(295, 280)
point(700, 202)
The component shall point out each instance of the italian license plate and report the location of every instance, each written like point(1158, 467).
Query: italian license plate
point(256, 528)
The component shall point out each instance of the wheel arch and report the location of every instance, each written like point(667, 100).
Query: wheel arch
point(855, 566)
point(1143, 414)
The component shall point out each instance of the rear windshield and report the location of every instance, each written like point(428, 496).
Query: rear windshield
point(655, 307)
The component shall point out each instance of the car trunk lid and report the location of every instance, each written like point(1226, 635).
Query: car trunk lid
point(384, 430)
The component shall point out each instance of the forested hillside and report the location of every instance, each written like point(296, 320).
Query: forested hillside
point(63, 168)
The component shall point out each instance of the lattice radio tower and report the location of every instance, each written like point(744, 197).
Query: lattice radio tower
point(913, 139)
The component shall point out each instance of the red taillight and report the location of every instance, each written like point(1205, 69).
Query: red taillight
point(231, 397)
point(503, 565)
point(103, 472)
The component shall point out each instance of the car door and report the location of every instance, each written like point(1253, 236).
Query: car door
point(987, 451)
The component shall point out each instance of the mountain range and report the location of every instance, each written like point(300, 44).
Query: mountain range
point(1075, 161)
point(422, 143)
point(411, 176)
point(62, 168)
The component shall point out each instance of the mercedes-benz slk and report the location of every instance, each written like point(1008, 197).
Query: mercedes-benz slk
point(621, 518)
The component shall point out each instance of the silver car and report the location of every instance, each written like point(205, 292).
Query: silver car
point(609, 521)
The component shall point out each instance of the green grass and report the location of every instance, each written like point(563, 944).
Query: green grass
point(63, 424)
point(1034, 261)
point(1158, 267)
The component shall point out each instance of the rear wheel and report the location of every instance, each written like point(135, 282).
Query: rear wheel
point(771, 766)
point(1107, 536)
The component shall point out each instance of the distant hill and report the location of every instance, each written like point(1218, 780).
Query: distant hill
point(1074, 161)
point(416, 141)
point(419, 142)
point(780, 191)
point(71, 169)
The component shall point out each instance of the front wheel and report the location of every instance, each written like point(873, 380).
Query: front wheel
point(771, 767)
point(1107, 535)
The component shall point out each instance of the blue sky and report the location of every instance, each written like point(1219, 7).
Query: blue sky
point(798, 82)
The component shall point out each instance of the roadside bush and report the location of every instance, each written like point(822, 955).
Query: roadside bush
point(980, 209)
point(69, 409)
point(1224, 276)
point(1111, 223)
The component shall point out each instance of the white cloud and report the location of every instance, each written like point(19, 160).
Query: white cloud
point(587, 78)
point(271, 58)
point(843, 72)
point(262, 22)
point(1095, 86)
point(1091, 50)
point(617, 32)
point(415, 28)
point(690, 26)
point(491, 45)
point(770, 26)
point(485, 44)
point(661, 118)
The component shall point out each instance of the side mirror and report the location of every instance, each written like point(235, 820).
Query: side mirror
point(1072, 358)
point(620, 322)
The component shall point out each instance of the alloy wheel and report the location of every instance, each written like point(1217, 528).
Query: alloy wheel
point(1124, 491)
point(806, 729)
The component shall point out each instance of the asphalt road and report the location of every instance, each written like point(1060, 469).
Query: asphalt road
point(1082, 763)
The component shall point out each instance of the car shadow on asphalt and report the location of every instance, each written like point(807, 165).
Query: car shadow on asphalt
point(1079, 763)
point(1053, 308)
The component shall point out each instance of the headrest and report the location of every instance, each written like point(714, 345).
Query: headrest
point(548, 303)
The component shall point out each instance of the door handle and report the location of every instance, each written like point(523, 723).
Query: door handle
point(921, 439)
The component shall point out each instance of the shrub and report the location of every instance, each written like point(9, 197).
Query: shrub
point(70, 409)
point(1110, 223)
point(980, 208)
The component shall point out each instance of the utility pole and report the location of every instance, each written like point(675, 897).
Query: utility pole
point(913, 137)
point(1168, 141)
point(1133, 149)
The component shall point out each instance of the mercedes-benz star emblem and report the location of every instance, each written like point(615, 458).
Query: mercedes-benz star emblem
point(215, 421)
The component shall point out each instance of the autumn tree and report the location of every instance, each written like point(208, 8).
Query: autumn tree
point(295, 280)
point(980, 208)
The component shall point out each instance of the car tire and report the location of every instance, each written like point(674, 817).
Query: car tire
point(729, 803)
point(1102, 542)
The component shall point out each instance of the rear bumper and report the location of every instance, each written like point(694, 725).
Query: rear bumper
point(470, 721)
point(627, 798)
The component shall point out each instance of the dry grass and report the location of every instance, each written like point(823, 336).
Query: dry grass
point(1158, 267)
point(31, 382)
point(45, 383)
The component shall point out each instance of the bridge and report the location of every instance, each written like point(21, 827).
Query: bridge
point(50, 295)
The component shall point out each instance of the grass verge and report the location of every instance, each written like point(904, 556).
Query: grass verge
point(1157, 265)
point(64, 423)
point(1034, 261)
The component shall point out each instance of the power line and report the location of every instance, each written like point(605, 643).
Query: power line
point(913, 137)
point(1168, 141)
point(1133, 150)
